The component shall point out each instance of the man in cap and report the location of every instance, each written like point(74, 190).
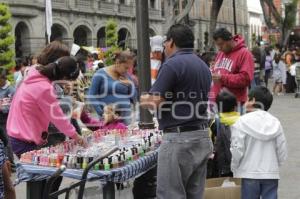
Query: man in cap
point(156, 56)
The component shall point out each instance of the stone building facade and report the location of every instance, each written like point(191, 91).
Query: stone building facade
point(83, 21)
point(78, 21)
point(200, 14)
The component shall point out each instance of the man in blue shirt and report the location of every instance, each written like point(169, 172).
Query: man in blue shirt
point(180, 96)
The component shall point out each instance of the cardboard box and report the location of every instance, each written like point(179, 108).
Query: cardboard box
point(214, 189)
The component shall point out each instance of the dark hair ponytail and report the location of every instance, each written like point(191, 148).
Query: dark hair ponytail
point(65, 68)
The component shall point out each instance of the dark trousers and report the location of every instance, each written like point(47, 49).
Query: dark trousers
point(267, 76)
point(145, 185)
point(256, 189)
point(19, 147)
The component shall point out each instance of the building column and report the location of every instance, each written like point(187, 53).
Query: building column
point(197, 35)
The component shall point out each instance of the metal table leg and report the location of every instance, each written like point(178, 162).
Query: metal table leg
point(35, 189)
point(109, 190)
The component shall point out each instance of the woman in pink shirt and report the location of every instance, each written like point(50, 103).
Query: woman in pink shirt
point(35, 105)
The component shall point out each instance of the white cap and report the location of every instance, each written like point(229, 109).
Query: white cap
point(156, 43)
point(74, 50)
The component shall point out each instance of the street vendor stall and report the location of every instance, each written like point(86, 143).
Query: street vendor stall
point(137, 154)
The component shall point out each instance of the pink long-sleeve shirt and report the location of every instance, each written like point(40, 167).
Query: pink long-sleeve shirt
point(33, 107)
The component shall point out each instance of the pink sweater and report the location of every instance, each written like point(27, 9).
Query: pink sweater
point(33, 107)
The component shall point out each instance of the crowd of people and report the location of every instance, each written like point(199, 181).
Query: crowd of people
point(205, 105)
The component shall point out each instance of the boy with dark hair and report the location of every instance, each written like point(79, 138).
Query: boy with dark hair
point(258, 147)
point(227, 106)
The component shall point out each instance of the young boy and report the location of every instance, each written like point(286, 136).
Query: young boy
point(227, 105)
point(258, 147)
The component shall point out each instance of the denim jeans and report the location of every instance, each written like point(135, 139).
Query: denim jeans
point(182, 161)
point(254, 189)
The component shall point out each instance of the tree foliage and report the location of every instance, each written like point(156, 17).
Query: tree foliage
point(111, 40)
point(214, 13)
point(6, 39)
point(274, 19)
point(173, 16)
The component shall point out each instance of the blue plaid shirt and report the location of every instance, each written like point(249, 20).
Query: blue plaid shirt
point(2, 161)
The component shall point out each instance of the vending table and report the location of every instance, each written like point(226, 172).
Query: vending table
point(135, 153)
point(35, 175)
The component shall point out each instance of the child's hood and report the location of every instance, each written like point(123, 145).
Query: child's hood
point(260, 125)
point(229, 118)
point(35, 76)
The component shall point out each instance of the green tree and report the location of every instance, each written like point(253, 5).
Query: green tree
point(174, 16)
point(274, 19)
point(272, 39)
point(6, 39)
point(111, 40)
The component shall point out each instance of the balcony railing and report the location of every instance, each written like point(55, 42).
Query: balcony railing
point(106, 6)
point(29, 2)
point(126, 9)
point(85, 4)
point(90, 6)
point(59, 3)
point(154, 13)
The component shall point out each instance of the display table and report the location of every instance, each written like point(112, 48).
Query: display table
point(35, 175)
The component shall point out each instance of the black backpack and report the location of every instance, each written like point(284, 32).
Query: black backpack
point(222, 148)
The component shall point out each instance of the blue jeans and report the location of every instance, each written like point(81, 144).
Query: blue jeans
point(254, 189)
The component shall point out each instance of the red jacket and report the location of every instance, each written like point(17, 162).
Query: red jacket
point(236, 69)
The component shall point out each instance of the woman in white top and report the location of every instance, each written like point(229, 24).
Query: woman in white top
point(279, 74)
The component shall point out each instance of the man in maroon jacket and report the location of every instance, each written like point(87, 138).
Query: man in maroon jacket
point(234, 66)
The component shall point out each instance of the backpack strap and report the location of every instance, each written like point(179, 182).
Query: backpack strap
point(218, 123)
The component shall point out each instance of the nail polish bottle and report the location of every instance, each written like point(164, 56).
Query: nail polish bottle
point(114, 163)
point(133, 153)
point(66, 160)
point(91, 159)
point(85, 163)
point(46, 161)
point(128, 155)
point(41, 160)
point(51, 161)
point(101, 165)
point(36, 160)
point(54, 160)
point(97, 166)
point(79, 162)
point(70, 162)
point(141, 150)
point(136, 152)
point(59, 160)
point(121, 163)
point(106, 164)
